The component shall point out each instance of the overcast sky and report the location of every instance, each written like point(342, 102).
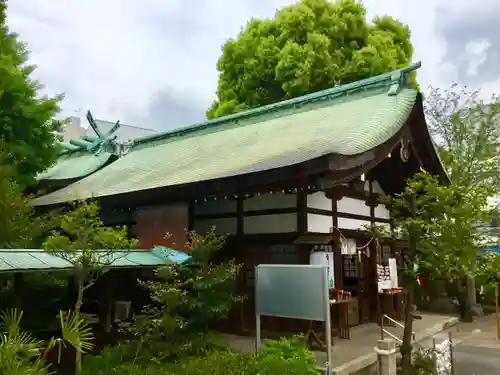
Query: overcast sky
point(152, 63)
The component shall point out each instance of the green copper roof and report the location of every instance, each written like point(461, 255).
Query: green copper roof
point(348, 120)
point(25, 260)
point(75, 165)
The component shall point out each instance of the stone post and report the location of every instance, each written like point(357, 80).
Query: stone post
point(387, 353)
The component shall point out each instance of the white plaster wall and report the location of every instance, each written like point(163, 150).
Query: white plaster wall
point(319, 223)
point(215, 207)
point(353, 206)
point(319, 200)
point(270, 201)
point(382, 212)
point(279, 223)
point(355, 224)
point(223, 226)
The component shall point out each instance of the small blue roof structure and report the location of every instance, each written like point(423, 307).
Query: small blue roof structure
point(26, 260)
point(493, 250)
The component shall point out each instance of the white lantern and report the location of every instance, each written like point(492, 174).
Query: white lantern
point(324, 258)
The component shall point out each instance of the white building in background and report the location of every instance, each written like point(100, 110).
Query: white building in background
point(77, 128)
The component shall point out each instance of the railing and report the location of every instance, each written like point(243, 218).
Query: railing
point(384, 331)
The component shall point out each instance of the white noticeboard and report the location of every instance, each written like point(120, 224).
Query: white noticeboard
point(393, 273)
point(324, 258)
point(293, 291)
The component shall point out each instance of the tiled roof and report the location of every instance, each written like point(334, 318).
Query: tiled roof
point(25, 260)
point(75, 165)
point(124, 133)
point(347, 120)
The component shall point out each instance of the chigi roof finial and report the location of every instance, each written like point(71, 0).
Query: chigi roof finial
point(101, 142)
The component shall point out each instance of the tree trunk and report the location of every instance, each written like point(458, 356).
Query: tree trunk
point(78, 306)
point(463, 302)
point(406, 346)
point(409, 285)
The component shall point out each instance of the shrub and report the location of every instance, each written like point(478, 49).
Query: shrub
point(423, 362)
point(216, 363)
point(109, 360)
point(187, 298)
point(287, 357)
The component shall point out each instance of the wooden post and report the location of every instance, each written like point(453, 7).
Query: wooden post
point(497, 295)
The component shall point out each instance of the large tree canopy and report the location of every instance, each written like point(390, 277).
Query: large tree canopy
point(309, 46)
point(467, 131)
point(27, 127)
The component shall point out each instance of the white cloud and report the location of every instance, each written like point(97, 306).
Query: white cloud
point(152, 62)
point(476, 51)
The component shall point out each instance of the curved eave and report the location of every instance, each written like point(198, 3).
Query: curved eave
point(338, 133)
point(338, 168)
point(74, 167)
point(424, 146)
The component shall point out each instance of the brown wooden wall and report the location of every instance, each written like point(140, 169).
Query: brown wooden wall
point(154, 222)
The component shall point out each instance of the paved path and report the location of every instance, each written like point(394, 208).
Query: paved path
point(478, 348)
point(476, 360)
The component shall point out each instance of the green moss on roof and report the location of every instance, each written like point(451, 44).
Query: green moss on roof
point(75, 165)
point(347, 120)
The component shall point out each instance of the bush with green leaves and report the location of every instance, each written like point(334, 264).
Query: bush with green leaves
point(186, 299)
point(423, 362)
point(217, 363)
point(287, 357)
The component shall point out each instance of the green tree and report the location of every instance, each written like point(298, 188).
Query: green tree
point(308, 46)
point(489, 268)
point(467, 131)
point(20, 227)
point(27, 125)
point(437, 221)
point(82, 240)
point(186, 298)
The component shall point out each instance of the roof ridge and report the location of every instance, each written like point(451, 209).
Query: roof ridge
point(130, 126)
point(398, 77)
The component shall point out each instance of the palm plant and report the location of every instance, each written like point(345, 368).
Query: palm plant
point(22, 354)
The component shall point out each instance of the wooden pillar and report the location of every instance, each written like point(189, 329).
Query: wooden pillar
point(302, 251)
point(301, 212)
point(497, 316)
point(190, 216)
point(337, 254)
point(18, 288)
point(239, 249)
point(109, 299)
point(374, 297)
point(239, 217)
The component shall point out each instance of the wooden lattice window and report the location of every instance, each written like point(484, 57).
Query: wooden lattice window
point(350, 264)
point(386, 253)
